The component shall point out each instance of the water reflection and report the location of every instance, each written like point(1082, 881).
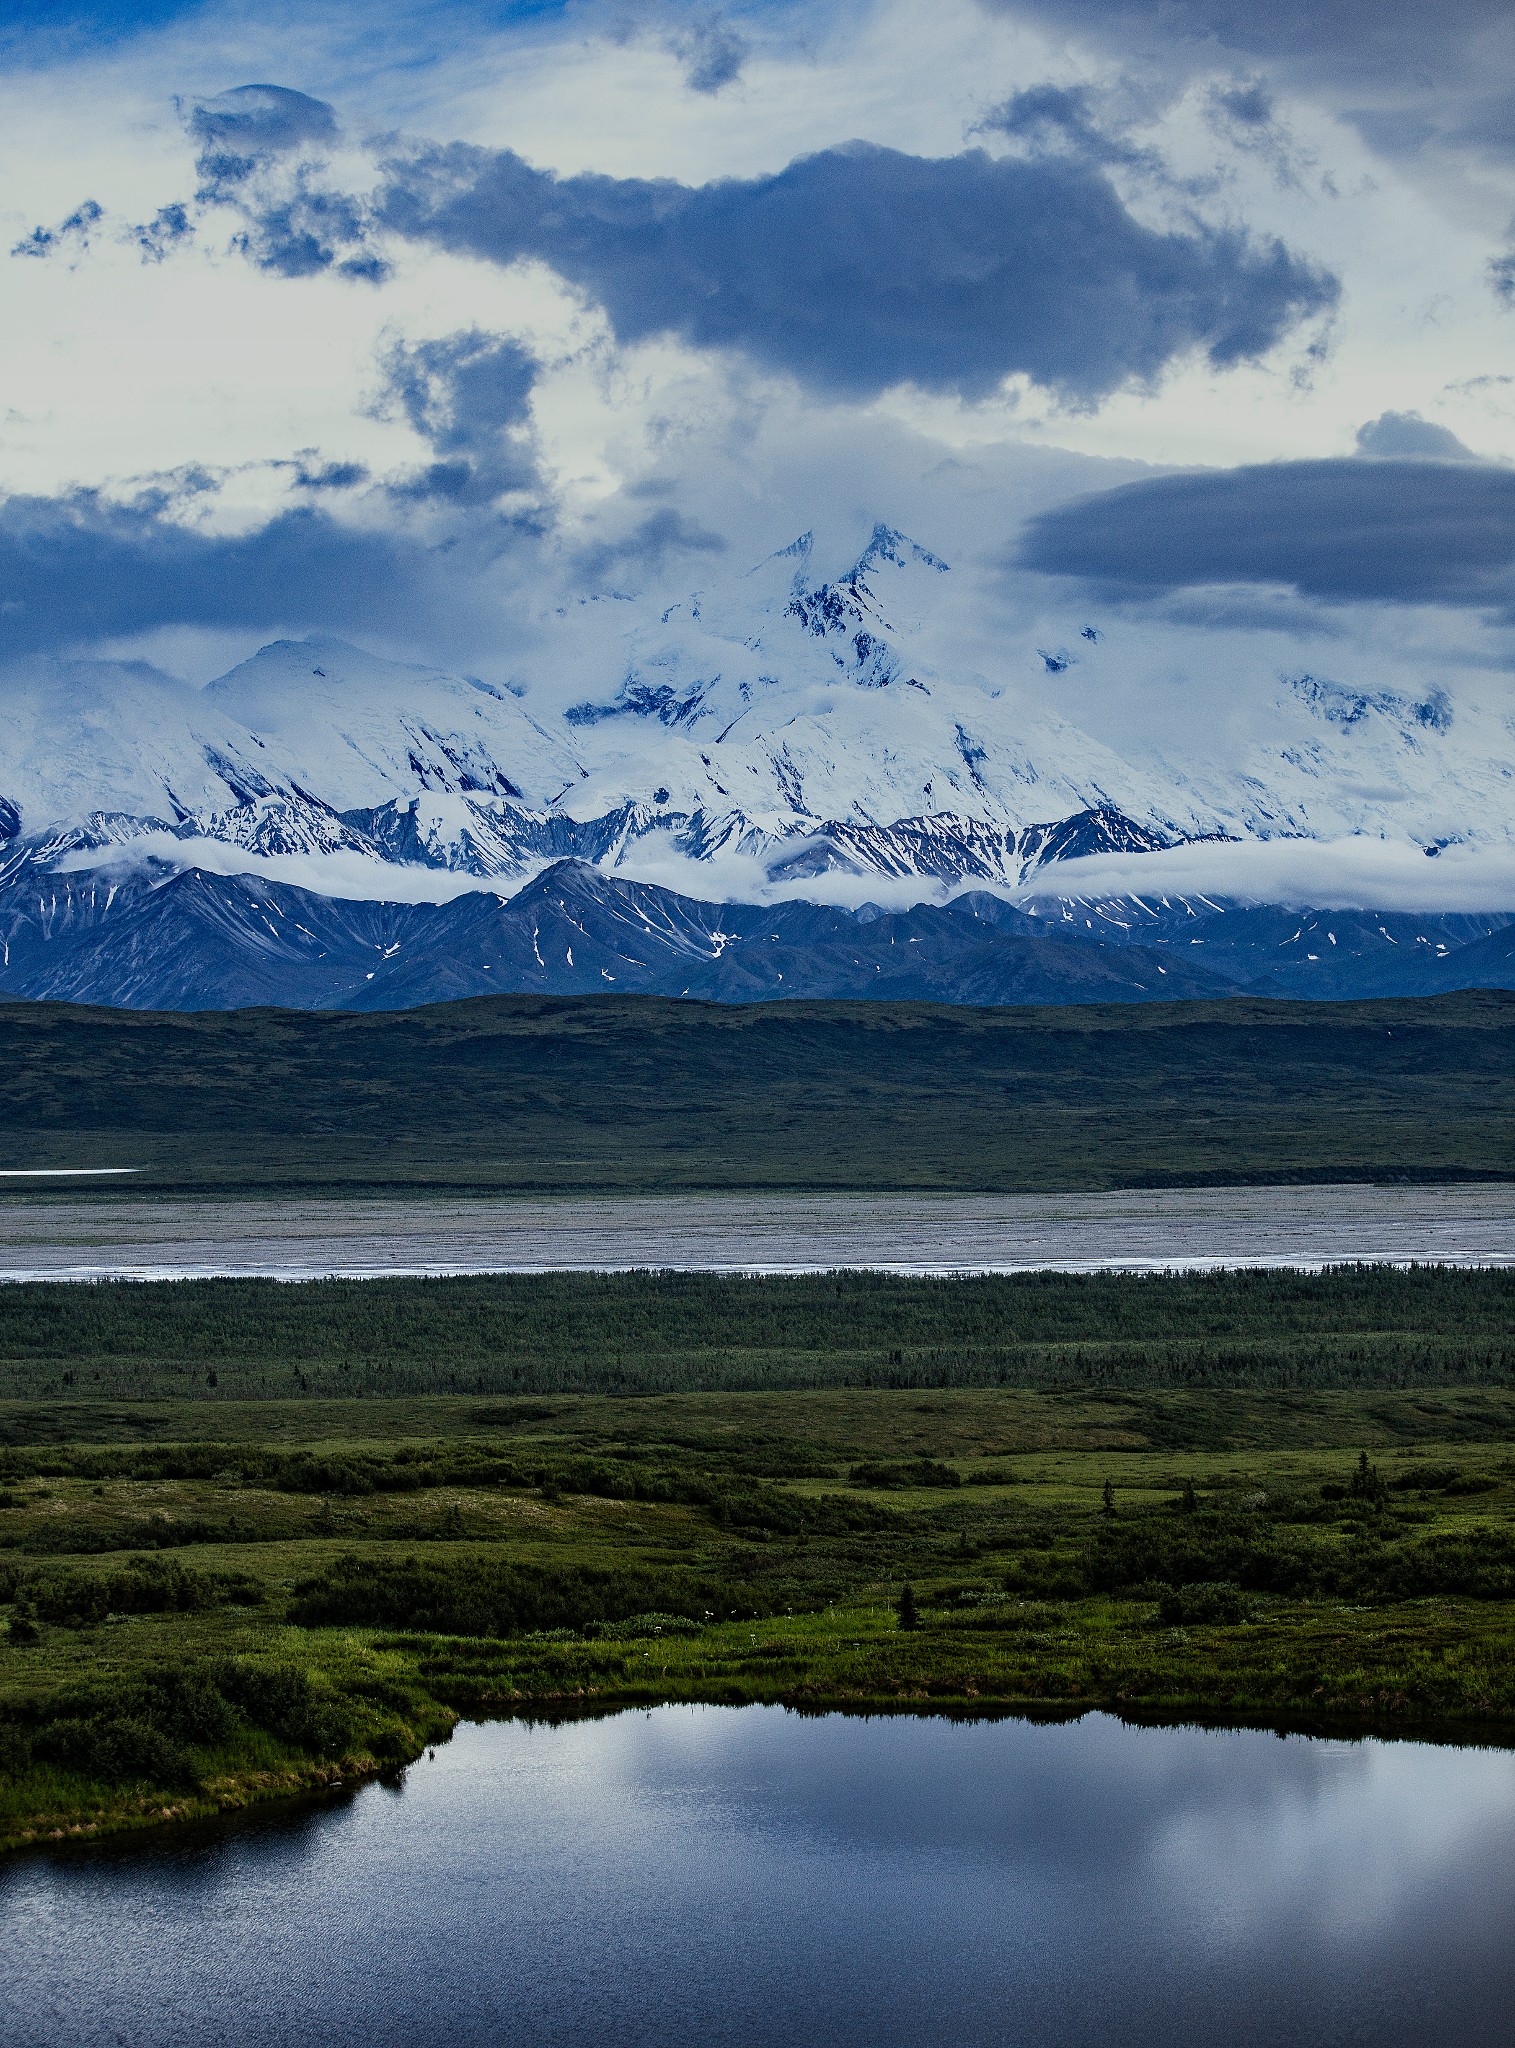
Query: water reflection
point(746, 1876)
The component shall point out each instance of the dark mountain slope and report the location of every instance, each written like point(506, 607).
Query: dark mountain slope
point(189, 939)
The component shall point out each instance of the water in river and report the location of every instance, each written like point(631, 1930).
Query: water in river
point(748, 1877)
point(51, 1236)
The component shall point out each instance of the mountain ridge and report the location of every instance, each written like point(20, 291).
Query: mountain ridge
point(190, 939)
point(783, 733)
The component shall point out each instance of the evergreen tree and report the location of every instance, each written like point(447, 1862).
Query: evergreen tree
point(908, 1616)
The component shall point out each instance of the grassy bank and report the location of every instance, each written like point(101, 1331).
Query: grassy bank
point(638, 1092)
point(210, 1602)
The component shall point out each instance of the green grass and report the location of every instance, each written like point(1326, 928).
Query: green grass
point(229, 1600)
point(640, 1092)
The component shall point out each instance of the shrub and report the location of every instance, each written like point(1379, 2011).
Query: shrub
point(151, 1729)
point(1205, 1600)
point(1201, 1548)
point(153, 1586)
point(484, 1596)
point(1479, 1564)
point(114, 1749)
point(919, 1472)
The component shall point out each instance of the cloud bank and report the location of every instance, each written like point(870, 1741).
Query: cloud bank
point(1331, 874)
point(1402, 531)
point(83, 568)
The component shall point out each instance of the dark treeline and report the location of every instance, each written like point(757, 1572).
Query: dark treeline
point(1351, 1327)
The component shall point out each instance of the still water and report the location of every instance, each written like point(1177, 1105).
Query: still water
point(714, 1875)
point(49, 1236)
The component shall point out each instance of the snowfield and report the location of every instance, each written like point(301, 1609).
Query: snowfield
point(780, 736)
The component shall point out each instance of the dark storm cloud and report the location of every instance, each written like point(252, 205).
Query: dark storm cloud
point(1417, 531)
point(464, 393)
point(79, 568)
point(861, 267)
point(1404, 73)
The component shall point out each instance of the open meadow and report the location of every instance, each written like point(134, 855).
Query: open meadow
point(257, 1539)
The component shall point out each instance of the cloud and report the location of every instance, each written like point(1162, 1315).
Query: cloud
point(1404, 74)
point(71, 233)
point(350, 877)
point(311, 473)
point(860, 267)
point(648, 547)
point(1332, 874)
point(261, 150)
point(1407, 434)
point(1412, 531)
point(1051, 120)
point(712, 53)
point(468, 394)
point(169, 226)
point(81, 568)
point(307, 229)
point(241, 130)
point(1354, 873)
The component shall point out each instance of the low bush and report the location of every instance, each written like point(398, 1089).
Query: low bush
point(487, 1596)
point(1206, 1600)
point(157, 1730)
point(918, 1472)
point(153, 1586)
point(1206, 1547)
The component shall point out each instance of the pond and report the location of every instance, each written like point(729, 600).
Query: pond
point(709, 1875)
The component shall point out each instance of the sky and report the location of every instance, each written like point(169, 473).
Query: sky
point(422, 324)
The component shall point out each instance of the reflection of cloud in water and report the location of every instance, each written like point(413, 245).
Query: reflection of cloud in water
point(1344, 1839)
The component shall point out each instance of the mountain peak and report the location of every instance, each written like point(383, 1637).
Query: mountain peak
point(888, 545)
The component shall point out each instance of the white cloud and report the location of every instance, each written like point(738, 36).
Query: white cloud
point(115, 370)
point(352, 877)
point(1332, 874)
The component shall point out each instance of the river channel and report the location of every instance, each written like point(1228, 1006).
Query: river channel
point(50, 1235)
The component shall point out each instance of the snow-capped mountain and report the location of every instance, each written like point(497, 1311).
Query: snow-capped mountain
point(774, 734)
point(799, 722)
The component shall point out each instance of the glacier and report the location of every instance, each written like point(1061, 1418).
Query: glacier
point(781, 736)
